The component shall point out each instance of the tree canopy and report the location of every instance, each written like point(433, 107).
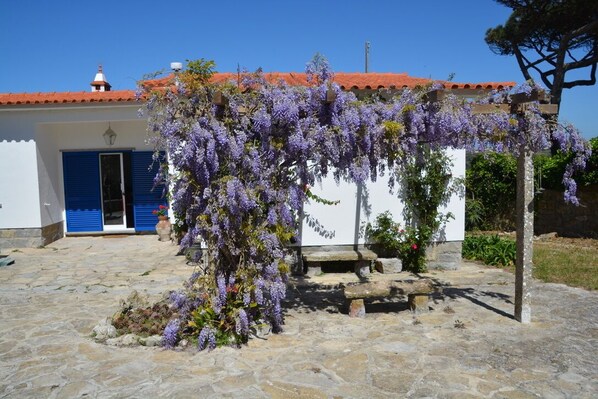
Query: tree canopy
point(550, 38)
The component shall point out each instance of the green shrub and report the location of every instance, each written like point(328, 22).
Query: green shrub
point(490, 183)
point(549, 169)
point(388, 239)
point(490, 249)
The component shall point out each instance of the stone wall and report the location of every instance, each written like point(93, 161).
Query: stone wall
point(31, 238)
point(554, 215)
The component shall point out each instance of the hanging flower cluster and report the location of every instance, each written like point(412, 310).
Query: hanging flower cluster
point(241, 158)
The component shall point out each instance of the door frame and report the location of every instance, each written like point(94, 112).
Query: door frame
point(117, 227)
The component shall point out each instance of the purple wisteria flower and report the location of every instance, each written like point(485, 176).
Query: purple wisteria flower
point(237, 173)
point(206, 339)
point(170, 336)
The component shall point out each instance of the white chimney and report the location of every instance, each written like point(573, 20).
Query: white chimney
point(99, 82)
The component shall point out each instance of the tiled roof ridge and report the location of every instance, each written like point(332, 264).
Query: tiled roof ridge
point(347, 81)
point(68, 97)
point(353, 80)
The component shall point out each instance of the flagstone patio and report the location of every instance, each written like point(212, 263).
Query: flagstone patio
point(468, 345)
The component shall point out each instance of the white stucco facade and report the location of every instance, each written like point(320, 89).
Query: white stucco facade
point(344, 220)
point(32, 139)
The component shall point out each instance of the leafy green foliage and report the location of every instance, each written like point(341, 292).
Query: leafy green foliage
point(490, 183)
point(549, 169)
point(427, 184)
point(316, 198)
point(490, 249)
point(389, 239)
point(223, 323)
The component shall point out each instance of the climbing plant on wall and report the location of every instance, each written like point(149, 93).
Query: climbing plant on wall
point(242, 154)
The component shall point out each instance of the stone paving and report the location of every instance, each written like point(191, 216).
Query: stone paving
point(467, 346)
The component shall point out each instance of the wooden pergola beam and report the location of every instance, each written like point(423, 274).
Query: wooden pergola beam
point(489, 108)
point(535, 95)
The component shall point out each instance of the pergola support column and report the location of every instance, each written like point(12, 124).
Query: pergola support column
point(525, 234)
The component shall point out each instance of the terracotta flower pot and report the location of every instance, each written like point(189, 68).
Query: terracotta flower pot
point(164, 228)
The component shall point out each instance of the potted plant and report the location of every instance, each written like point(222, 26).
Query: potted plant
point(164, 227)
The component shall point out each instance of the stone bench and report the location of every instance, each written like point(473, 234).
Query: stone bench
point(362, 257)
point(417, 291)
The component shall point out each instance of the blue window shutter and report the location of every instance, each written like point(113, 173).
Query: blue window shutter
point(146, 197)
point(82, 191)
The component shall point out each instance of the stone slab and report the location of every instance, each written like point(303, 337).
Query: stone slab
point(339, 256)
point(386, 288)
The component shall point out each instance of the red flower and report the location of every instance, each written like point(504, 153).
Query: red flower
point(414, 247)
point(163, 207)
point(155, 212)
point(233, 289)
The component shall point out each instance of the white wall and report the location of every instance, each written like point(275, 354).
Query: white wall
point(31, 140)
point(19, 195)
point(343, 218)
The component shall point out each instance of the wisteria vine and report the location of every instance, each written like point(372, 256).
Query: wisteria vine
point(241, 157)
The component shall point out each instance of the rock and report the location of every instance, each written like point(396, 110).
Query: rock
point(362, 268)
point(388, 265)
point(124, 340)
point(357, 308)
point(262, 331)
point(183, 343)
point(152, 340)
point(103, 330)
point(546, 236)
point(418, 303)
point(135, 300)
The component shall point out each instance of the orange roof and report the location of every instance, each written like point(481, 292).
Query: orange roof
point(67, 97)
point(351, 81)
point(347, 81)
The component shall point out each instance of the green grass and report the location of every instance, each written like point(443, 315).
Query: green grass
point(571, 265)
point(569, 261)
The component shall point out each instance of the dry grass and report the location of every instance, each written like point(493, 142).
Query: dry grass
point(568, 263)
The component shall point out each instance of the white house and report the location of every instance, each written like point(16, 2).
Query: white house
point(78, 163)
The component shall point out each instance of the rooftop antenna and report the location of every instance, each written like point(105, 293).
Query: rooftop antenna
point(367, 56)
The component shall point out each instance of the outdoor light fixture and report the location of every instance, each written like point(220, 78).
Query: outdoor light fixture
point(109, 136)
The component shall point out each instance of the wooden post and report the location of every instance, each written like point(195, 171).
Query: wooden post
point(525, 234)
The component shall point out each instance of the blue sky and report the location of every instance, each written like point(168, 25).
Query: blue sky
point(57, 45)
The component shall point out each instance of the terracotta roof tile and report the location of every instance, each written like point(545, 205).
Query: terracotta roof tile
point(347, 81)
point(356, 81)
point(67, 97)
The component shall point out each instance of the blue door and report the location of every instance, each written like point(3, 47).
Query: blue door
point(83, 200)
point(83, 191)
point(146, 196)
